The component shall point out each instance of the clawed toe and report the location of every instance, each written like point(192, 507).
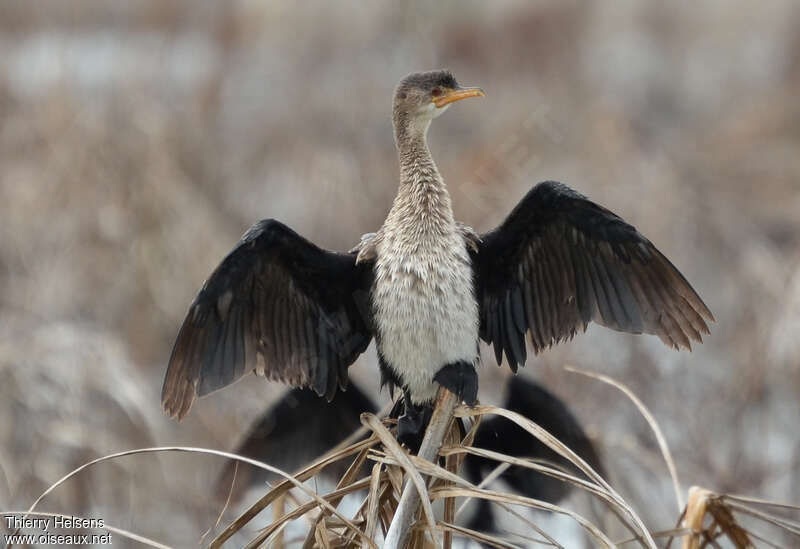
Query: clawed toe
point(412, 424)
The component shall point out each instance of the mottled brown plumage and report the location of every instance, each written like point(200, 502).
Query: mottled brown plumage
point(423, 297)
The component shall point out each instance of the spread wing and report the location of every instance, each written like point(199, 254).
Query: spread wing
point(278, 305)
point(559, 261)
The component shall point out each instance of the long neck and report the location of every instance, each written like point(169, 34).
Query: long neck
point(422, 195)
point(416, 163)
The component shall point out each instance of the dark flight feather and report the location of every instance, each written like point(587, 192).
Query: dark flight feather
point(559, 261)
point(276, 304)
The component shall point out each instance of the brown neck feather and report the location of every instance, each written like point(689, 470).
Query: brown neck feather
point(416, 162)
point(422, 194)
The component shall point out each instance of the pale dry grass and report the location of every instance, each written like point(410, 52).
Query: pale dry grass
point(708, 520)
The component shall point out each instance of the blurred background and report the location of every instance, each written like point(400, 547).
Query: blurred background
point(138, 141)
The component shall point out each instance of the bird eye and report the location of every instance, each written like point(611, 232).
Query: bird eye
point(436, 91)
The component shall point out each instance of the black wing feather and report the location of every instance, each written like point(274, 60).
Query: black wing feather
point(559, 261)
point(276, 304)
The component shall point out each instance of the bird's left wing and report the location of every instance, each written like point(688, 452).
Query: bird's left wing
point(559, 261)
point(279, 305)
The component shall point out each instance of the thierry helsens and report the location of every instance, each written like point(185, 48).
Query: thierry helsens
point(45, 523)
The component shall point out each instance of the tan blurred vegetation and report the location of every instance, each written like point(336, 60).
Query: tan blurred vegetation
point(139, 140)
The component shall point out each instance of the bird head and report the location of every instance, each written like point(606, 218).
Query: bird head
point(420, 97)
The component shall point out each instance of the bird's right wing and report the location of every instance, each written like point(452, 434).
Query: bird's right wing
point(278, 305)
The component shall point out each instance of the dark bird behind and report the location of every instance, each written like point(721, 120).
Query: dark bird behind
point(301, 427)
point(426, 287)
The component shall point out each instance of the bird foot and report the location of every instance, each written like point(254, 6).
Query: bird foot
point(461, 379)
point(412, 424)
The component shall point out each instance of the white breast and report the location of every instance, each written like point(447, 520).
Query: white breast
point(424, 306)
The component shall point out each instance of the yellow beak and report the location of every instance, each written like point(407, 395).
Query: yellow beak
point(458, 94)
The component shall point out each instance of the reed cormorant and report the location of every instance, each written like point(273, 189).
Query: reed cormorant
point(426, 287)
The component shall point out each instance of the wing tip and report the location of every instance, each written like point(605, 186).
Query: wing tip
point(177, 396)
point(176, 408)
point(700, 308)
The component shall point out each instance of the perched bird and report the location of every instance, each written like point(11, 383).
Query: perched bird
point(426, 287)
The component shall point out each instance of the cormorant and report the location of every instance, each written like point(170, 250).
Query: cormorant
point(426, 287)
